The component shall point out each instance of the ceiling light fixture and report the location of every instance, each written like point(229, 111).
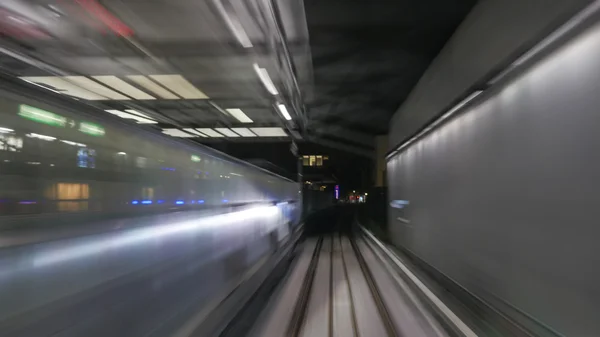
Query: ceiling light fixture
point(177, 133)
point(179, 85)
point(137, 113)
point(136, 117)
point(60, 86)
point(239, 115)
point(283, 109)
point(194, 131)
point(244, 132)
point(210, 132)
point(266, 79)
point(95, 87)
point(234, 25)
point(269, 132)
point(147, 83)
point(124, 87)
point(227, 132)
point(6, 130)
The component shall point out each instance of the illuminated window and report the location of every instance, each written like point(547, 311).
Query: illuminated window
point(305, 160)
point(312, 161)
point(71, 197)
point(319, 160)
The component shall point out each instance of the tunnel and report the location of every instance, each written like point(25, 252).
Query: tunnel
point(287, 168)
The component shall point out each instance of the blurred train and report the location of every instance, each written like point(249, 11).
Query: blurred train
point(56, 161)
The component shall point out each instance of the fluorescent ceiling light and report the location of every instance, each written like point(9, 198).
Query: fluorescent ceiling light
point(180, 86)
point(193, 131)
point(244, 132)
point(269, 132)
point(227, 132)
point(95, 87)
point(177, 133)
point(58, 85)
point(6, 130)
point(73, 143)
point(266, 79)
point(137, 118)
point(42, 137)
point(137, 113)
point(210, 132)
point(147, 83)
point(234, 25)
point(283, 109)
point(124, 87)
point(239, 115)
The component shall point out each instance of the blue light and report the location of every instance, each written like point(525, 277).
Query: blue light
point(160, 201)
point(147, 202)
point(135, 202)
point(193, 201)
point(200, 201)
point(225, 200)
point(179, 202)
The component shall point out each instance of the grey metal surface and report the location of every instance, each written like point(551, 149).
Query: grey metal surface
point(502, 198)
point(509, 27)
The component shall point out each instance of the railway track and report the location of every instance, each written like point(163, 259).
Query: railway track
point(339, 296)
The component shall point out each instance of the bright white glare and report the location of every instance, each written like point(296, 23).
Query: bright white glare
point(6, 130)
point(284, 111)
point(244, 132)
point(149, 234)
point(236, 174)
point(147, 83)
point(193, 131)
point(210, 132)
point(179, 85)
point(177, 133)
point(124, 87)
point(266, 79)
point(122, 153)
point(95, 87)
point(135, 117)
point(73, 143)
point(42, 137)
point(239, 115)
point(227, 132)
point(269, 132)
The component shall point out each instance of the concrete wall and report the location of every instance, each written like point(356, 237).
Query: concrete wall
point(504, 197)
point(494, 33)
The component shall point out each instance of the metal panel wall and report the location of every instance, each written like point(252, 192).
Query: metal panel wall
point(504, 197)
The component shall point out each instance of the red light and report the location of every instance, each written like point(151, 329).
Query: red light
point(106, 17)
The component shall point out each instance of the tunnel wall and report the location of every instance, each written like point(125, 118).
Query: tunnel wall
point(494, 33)
point(503, 198)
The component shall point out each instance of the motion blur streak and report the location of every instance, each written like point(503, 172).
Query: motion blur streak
point(143, 235)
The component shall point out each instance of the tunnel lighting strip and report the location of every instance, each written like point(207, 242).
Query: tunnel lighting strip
point(244, 132)
point(179, 85)
point(263, 74)
point(437, 122)
point(577, 20)
point(210, 132)
point(124, 87)
point(458, 323)
point(227, 132)
point(195, 132)
point(234, 25)
point(147, 83)
point(284, 111)
point(239, 115)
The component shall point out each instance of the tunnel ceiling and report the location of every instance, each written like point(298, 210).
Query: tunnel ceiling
point(216, 46)
point(341, 68)
point(367, 55)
